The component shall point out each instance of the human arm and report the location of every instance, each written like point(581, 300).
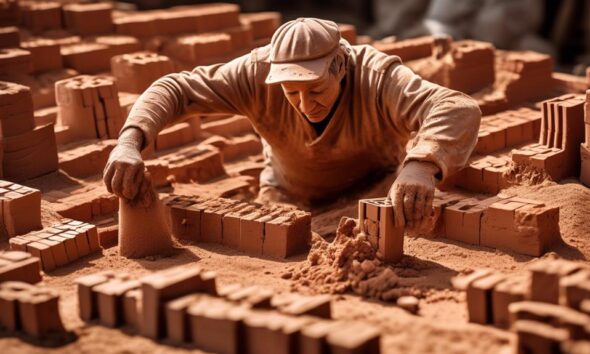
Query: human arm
point(446, 123)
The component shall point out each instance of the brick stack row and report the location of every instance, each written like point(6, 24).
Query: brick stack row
point(59, 244)
point(185, 305)
point(527, 75)
point(30, 309)
point(248, 227)
point(516, 224)
point(27, 151)
point(562, 131)
point(20, 209)
point(548, 307)
point(469, 66)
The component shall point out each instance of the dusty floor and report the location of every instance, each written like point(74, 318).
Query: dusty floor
point(440, 327)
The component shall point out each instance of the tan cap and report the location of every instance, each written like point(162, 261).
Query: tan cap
point(302, 49)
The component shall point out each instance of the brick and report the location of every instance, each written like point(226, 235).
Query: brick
point(20, 209)
point(9, 37)
point(559, 316)
point(177, 320)
point(231, 226)
point(313, 336)
point(212, 217)
point(287, 235)
point(535, 337)
point(252, 296)
point(546, 275)
point(109, 297)
point(16, 109)
point(186, 221)
point(355, 338)
point(10, 292)
point(479, 298)
point(43, 252)
point(58, 250)
point(512, 289)
point(463, 282)
point(217, 326)
point(45, 54)
point(199, 49)
point(409, 49)
point(318, 306)
point(270, 332)
point(88, 19)
point(15, 61)
point(87, 298)
point(39, 312)
point(161, 287)
point(135, 72)
point(41, 16)
point(575, 288)
point(132, 308)
point(119, 45)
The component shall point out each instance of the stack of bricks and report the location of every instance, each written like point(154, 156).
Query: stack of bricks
point(45, 54)
point(135, 72)
point(409, 49)
point(179, 134)
point(30, 309)
point(508, 129)
point(59, 244)
point(88, 19)
point(20, 209)
point(184, 305)
point(27, 151)
point(89, 106)
point(585, 145)
point(85, 158)
point(15, 61)
point(248, 227)
point(87, 58)
point(562, 131)
point(528, 75)
point(376, 220)
point(485, 174)
point(469, 66)
point(9, 12)
point(547, 307)
point(19, 266)
point(194, 163)
point(200, 49)
point(39, 17)
point(83, 206)
point(520, 225)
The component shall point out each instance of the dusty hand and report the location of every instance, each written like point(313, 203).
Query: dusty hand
point(124, 172)
point(412, 194)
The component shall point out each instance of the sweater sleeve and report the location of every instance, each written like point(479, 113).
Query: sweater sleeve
point(220, 88)
point(445, 122)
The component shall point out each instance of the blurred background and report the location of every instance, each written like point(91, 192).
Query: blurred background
point(557, 27)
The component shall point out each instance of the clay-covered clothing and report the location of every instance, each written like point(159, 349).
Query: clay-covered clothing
point(382, 103)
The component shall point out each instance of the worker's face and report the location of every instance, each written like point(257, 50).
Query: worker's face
point(313, 99)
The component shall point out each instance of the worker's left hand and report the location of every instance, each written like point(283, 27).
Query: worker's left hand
point(412, 194)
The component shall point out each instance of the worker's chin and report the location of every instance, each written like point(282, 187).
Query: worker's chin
point(316, 118)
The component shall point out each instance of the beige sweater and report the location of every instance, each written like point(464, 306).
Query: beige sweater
point(382, 103)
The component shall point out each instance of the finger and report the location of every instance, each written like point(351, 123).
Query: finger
point(409, 199)
point(398, 208)
point(428, 210)
point(129, 185)
point(419, 206)
point(107, 177)
point(117, 183)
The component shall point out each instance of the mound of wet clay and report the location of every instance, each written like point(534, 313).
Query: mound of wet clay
point(349, 264)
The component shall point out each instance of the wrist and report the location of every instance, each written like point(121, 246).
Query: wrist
point(132, 137)
point(423, 166)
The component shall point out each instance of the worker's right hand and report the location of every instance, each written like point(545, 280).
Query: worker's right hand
point(124, 172)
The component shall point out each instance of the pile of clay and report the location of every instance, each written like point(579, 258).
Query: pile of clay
point(348, 264)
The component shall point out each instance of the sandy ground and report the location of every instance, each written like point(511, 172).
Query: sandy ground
point(440, 326)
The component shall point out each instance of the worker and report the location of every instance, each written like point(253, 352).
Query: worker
point(329, 114)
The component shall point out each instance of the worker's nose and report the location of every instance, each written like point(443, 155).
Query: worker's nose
point(306, 104)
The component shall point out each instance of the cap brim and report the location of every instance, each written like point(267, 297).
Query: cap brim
point(309, 70)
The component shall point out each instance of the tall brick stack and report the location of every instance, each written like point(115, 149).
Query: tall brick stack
point(247, 227)
point(528, 75)
point(89, 106)
point(376, 219)
point(28, 151)
point(469, 66)
point(585, 145)
point(546, 307)
point(562, 131)
point(184, 305)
